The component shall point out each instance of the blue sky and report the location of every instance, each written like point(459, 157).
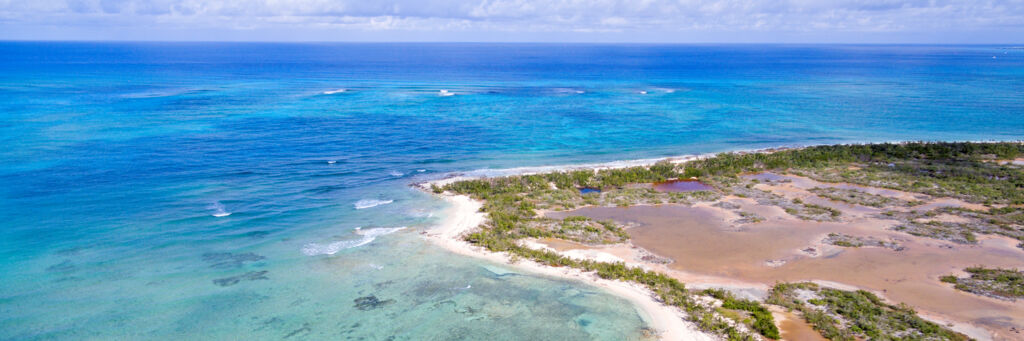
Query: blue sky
point(679, 21)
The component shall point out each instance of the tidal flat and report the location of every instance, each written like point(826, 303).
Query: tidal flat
point(702, 239)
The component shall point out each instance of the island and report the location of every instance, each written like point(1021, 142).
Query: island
point(919, 240)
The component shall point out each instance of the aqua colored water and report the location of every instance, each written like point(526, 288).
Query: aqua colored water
point(178, 190)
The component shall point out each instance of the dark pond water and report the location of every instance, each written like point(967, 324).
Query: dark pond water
point(681, 186)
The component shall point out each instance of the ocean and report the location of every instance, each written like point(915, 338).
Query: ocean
point(262, 191)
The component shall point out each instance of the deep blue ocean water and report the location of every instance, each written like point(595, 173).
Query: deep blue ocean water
point(210, 190)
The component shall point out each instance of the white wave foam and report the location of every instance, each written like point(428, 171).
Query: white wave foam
point(396, 174)
point(446, 178)
point(218, 210)
point(420, 213)
point(367, 203)
point(338, 91)
point(567, 91)
point(368, 236)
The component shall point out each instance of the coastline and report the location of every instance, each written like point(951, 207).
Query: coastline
point(463, 216)
point(424, 183)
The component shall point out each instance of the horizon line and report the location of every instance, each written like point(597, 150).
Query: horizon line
point(3, 40)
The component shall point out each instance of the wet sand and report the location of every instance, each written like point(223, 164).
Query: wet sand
point(792, 327)
point(701, 241)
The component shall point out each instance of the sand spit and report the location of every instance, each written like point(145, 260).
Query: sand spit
point(464, 216)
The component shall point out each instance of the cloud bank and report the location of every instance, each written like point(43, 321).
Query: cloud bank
point(926, 21)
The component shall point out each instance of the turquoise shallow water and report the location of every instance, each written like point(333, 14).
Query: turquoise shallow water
point(211, 190)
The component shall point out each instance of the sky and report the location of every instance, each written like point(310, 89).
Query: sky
point(637, 21)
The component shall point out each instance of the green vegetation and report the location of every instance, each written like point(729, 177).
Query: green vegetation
point(760, 320)
point(845, 240)
point(954, 169)
point(852, 315)
point(813, 210)
point(960, 170)
point(1007, 221)
point(580, 229)
point(748, 218)
point(856, 197)
point(798, 208)
point(1006, 284)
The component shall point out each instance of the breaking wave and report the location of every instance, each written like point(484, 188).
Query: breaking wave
point(218, 210)
point(367, 203)
point(367, 236)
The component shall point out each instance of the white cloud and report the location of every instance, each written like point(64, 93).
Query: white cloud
point(664, 17)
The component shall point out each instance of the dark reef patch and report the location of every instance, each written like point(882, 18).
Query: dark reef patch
point(227, 260)
point(256, 234)
point(370, 302)
point(305, 330)
point(65, 266)
point(248, 276)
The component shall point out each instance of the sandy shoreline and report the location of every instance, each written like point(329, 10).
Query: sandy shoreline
point(463, 216)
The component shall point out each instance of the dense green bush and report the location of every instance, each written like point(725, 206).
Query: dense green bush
point(763, 323)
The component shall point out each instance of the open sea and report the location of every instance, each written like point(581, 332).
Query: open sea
point(261, 191)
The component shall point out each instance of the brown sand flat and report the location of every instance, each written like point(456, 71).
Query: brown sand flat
point(701, 241)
